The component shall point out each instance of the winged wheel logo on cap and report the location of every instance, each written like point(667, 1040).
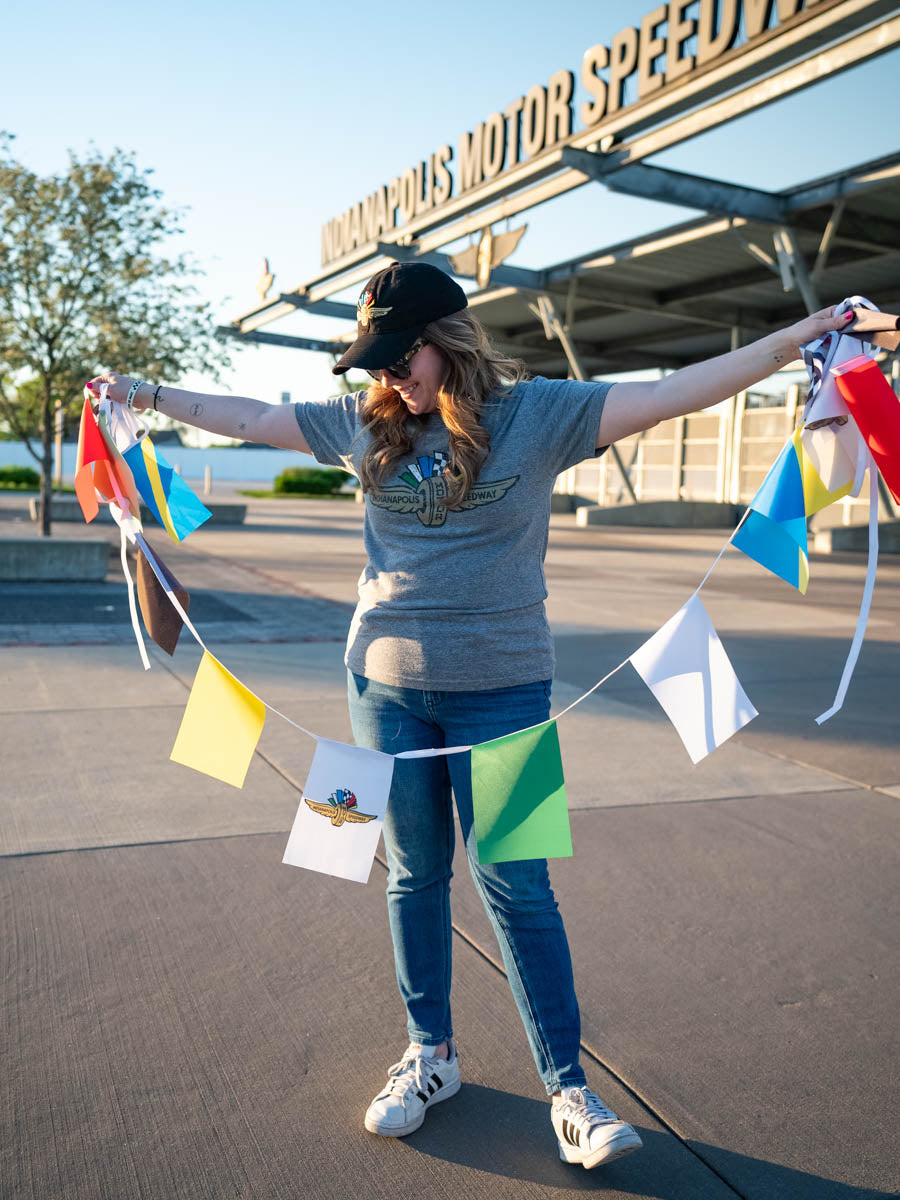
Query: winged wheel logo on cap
point(366, 310)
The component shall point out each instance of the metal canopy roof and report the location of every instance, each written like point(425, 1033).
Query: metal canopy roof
point(674, 297)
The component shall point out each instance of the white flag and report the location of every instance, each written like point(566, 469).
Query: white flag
point(686, 668)
point(340, 817)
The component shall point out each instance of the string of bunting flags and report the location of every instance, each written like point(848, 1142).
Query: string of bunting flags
point(850, 428)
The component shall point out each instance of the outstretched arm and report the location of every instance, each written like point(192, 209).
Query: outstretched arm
point(631, 407)
point(231, 416)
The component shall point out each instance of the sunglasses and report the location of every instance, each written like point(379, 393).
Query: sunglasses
point(401, 368)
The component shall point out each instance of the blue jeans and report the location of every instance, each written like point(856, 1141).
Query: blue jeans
point(419, 839)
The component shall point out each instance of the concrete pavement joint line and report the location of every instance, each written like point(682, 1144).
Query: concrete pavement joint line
point(705, 800)
point(180, 841)
point(798, 762)
point(773, 680)
point(632, 1091)
point(253, 641)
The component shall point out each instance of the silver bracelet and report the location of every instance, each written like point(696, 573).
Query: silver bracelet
point(132, 392)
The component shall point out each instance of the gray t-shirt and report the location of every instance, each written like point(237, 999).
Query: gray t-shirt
point(453, 600)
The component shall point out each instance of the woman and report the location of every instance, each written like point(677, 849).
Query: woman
point(449, 645)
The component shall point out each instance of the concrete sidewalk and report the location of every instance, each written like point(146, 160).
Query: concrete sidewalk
point(184, 1016)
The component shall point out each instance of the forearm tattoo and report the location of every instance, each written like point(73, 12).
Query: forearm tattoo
point(196, 410)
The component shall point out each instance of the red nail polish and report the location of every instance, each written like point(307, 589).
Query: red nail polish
point(848, 316)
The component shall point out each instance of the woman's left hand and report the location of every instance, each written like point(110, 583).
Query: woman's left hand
point(815, 326)
point(118, 388)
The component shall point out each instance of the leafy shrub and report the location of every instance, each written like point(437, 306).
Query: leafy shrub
point(318, 481)
point(24, 477)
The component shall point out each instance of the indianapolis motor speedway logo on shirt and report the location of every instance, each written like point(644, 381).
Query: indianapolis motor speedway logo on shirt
point(424, 488)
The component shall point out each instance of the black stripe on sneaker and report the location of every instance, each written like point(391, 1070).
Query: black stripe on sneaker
point(431, 1089)
point(568, 1132)
point(437, 1079)
point(423, 1097)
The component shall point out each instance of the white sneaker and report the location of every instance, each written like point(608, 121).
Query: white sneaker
point(588, 1132)
point(414, 1083)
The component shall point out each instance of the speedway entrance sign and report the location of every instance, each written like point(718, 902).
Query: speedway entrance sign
point(679, 43)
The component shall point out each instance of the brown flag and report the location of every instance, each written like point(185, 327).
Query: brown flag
point(161, 620)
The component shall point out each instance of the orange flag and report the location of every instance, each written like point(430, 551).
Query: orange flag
point(120, 468)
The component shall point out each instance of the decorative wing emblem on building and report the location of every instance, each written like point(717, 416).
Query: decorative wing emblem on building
point(340, 807)
point(424, 489)
point(366, 310)
point(490, 251)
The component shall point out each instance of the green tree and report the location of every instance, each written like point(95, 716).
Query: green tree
point(86, 286)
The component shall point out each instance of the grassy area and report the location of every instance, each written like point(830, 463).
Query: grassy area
point(27, 490)
point(268, 495)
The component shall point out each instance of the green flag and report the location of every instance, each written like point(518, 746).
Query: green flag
point(519, 797)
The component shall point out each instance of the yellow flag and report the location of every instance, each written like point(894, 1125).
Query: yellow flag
point(825, 479)
point(221, 725)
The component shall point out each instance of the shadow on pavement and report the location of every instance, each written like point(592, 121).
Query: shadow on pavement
point(509, 1135)
point(756, 1179)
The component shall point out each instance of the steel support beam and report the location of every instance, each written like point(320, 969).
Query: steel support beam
point(290, 302)
point(827, 239)
point(553, 327)
point(280, 339)
point(677, 187)
point(842, 184)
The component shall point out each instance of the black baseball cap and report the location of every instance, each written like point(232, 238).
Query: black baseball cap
point(393, 309)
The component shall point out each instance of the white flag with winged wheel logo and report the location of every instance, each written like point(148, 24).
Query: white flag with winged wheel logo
point(339, 820)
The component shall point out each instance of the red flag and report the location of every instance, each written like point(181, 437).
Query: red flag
point(876, 411)
point(91, 450)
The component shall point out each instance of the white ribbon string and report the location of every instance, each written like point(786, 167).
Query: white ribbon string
point(128, 525)
point(308, 732)
point(865, 603)
point(132, 605)
point(439, 750)
point(179, 608)
point(715, 561)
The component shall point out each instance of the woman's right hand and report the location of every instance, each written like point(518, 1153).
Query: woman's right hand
point(119, 387)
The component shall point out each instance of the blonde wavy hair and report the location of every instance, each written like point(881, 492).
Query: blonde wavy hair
point(475, 371)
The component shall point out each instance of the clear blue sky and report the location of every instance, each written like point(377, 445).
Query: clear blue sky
point(266, 120)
